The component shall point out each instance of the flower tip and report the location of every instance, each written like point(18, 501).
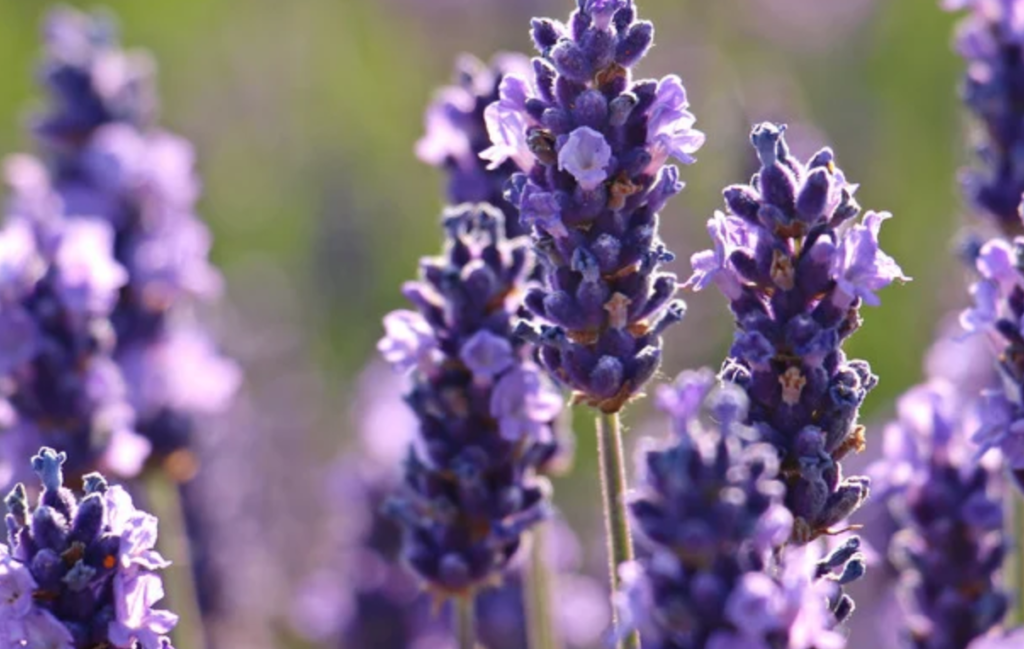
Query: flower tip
point(767, 138)
point(47, 465)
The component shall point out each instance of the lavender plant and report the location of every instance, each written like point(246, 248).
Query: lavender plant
point(106, 158)
point(456, 135)
point(950, 511)
point(990, 40)
point(58, 288)
point(484, 411)
point(592, 146)
point(80, 573)
point(796, 267)
point(709, 514)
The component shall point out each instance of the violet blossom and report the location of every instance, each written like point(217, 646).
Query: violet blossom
point(81, 572)
point(796, 266)
point(591, 145)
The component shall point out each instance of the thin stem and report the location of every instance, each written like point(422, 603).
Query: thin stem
point(465, 622)
point(610, 457)
point(538, 596)
point(166, 502)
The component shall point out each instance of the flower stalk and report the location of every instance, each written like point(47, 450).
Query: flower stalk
point(610, 457)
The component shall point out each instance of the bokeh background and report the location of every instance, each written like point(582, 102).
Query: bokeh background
point(305, 113)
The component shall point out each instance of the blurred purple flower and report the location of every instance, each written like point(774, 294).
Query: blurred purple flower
point(950, 509)
point(106, 160)
point(456, 134)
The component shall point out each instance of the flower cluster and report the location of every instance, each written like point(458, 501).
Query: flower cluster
point(950, 510)
point(58, 286)
point(361, 598)
point(484, 409)
point(592, 146)
point(991, 40)
point(80, 573)
point(709, 514)
point(456, 134)
point(997, 313)
point(105, 159)
point(796, 267)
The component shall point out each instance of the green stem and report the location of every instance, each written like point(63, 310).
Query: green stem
point(165, 500)
point(611, 459)
point(465, 622)
point(538, 596)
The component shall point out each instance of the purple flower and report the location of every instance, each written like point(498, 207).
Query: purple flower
point(796, 268)
point(950, 510)
point(1000, 640)
point(485, 414)
point(456, 134)
point(506, 126)
point(989, 38)
point(67, 547)
point(486, 354)
point(592, 145)
point(525, 404)
point(108, 175)
point(409, 342)
point(670, 131)
point(585, 155)
point(709, 516)
point(859, 267)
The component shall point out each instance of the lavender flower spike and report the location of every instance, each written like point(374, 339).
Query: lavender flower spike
point(592, 145)
point(80, 573)
point(990, 40)
point(796, 267)
point(998, 313)
point(485, 411)
point(456, 134)
point(951, 510)
point(709, 513)
point(107, 158)
point(59, 282)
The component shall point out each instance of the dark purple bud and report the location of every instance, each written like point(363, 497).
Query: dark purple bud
point(634, 45)
point(743, 201)
point(545, 33)
point(571, 62)
point(814, 195)
point(591, 110)
point(599, 48)
point(606, 377)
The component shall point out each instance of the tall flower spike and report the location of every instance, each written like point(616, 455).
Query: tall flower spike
point(796, 267)
point(360, 598)
point(997, 313)
point(709, 513)
point(60, 384)
point(81, 572)
point(990, 40)
point(106, 158)
point(951, 510)
point(592, 146)
point(456, 134)
point(484, 409)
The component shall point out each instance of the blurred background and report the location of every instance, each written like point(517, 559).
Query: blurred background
point(305, 114)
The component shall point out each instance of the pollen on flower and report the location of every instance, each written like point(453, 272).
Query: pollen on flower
point(793, 382)
point(618, 310)
point(109, 562)
point(782, 271)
